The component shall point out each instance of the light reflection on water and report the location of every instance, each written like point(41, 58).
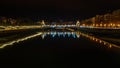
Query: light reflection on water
point(75, 34)
point(60, 34)
point(19, 40)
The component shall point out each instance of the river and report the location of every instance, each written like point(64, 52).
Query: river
point(59, 49)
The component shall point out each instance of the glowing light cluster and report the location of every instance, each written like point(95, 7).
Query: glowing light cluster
point(59, 26)
point(102, 26)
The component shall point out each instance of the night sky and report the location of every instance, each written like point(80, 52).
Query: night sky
point(64, 9)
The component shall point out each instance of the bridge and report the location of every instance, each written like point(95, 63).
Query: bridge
point(43, 25)
point(78, 25)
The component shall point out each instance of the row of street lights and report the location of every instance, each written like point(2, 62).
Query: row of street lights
point(102, 25)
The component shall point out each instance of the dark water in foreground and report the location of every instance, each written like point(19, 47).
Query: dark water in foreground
point(59, 52)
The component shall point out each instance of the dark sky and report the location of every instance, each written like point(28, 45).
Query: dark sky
point(57, 8)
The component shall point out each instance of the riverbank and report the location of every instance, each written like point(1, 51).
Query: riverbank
point(6, 36)
point(109, 35)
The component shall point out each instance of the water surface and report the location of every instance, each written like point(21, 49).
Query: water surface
point(59, 49)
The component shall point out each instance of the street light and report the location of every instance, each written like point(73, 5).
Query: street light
point(101, 25)
point(105, 25)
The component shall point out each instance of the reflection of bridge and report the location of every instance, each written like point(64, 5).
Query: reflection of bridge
point(61, 34)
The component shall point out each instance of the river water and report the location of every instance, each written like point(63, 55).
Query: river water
point(59, 49)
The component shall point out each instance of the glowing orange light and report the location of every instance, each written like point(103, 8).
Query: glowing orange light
point(110, 46)
point(97, 25)
point(93, 24)
point(83, 25)
point(100, 24)
point(113, 25)
point(104, 25)
point(100, 41)
point(109, 24)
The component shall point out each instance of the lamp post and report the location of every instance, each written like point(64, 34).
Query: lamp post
point(77, 24)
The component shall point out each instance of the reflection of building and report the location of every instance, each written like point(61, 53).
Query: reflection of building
point(78, 34)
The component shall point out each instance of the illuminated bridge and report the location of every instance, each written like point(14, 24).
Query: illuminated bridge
point(78, 25)
point(43, 25)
